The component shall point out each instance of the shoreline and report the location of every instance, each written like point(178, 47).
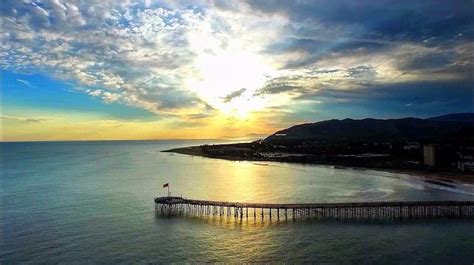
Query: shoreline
point(443, 176)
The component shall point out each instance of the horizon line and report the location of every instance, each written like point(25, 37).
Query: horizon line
point(123, 140)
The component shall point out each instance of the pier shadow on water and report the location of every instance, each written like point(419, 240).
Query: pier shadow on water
point(230, 222)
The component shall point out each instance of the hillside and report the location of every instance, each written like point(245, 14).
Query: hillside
point(436, 129)
point(455, 117)
point(369, 143)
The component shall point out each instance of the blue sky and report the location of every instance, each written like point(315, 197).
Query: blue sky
point(206, 69)
point(36, 91)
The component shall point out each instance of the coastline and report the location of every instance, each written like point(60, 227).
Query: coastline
point(442, 176)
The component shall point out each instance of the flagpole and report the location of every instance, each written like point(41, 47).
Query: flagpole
point(167, 185)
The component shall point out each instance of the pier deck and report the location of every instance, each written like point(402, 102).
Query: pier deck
point(354, 210)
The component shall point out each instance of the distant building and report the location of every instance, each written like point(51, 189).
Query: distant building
point(429, 155)
point(411, 147)
point(466, 166)
point(465, 163)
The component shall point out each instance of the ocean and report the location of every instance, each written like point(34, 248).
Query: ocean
point(92, 202)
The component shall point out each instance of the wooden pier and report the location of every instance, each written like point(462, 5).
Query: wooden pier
point(348, 211)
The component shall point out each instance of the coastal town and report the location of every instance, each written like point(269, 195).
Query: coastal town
point(450, 150)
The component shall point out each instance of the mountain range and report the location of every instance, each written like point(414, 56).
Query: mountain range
point(445, 128)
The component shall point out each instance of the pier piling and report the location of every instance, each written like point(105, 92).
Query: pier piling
point(339, 211)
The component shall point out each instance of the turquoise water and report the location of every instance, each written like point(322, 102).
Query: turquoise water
point(93, 202)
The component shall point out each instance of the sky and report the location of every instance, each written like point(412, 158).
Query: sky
point(111, 70)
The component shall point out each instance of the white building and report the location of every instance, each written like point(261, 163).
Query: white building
point(429, 155)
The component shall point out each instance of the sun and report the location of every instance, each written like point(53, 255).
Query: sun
point(228, 82)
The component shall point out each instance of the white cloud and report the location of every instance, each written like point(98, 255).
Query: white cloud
point(177, 58)
point(136, 55)
point(26, 83)
point(25, 119)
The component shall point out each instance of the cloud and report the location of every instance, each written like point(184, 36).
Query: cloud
point(300, 83)
point(25, 82)
point(317, 49)
point(398, 94)
point(132, 56)
point(427, 61)
point(137, 54)
point(198, 116)
point(421, 37)
point(402, 21)
point(25, 119)
point(234, 94)
point(158, 55)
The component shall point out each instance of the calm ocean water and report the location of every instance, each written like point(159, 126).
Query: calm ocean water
point(92, 202)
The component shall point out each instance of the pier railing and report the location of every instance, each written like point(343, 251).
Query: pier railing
point(354, 210)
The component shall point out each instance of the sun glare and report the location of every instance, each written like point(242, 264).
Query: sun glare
point(229, 81)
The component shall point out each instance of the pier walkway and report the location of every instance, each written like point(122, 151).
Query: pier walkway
point(355, 210)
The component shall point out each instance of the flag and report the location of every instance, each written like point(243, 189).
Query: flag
point(166, 185)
